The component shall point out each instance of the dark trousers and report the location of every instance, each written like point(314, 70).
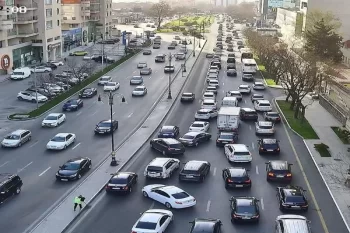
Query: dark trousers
point(76, 205)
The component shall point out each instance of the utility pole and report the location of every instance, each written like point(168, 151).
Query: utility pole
point(199, 39)
point(194, 44)
point(36, 89)
point(169, 77)
point(184, 67)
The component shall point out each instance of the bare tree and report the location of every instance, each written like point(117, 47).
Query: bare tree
point(80, 71)
point(160, 11)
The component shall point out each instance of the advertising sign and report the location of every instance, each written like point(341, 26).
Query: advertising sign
point(5, 62)
point(71, 1)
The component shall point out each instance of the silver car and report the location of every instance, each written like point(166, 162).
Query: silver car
point(146, 71)
point(104, 79)
point(142, 65)
point(136, 80)
point(17, 138)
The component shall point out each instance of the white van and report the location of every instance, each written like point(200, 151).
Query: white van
point(161, 168)
point(213, 83)
point(21, 73)
point(292, 223)
point(209, 95)
point(209, 104)
point(262, 105)
point(230, 101)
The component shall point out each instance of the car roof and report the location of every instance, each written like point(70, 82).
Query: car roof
point(4, 177)
point(269, 141)
point(205, 110)
point(168, 127)
point(170, 141)
point(199, 122)
point(171, 189)
point(18, 131)
point(54, 114)
point(237, 171)
point(239, 147)
point(235, 92)
point(187, 93)
point(105, 76)
point(194, 165)
point(61, 135)
point(243, 85)
point(226, 133)
point(244, 201)
point(208, 93)
point(159, 161)
point(263, 101)
point(258, 95)
point(122, 175)
point(105, 121)
point(295, 192)
point(272, 113)
point(193, 133)
point(248, 109)
point(265, 123)
point(203, 225)
point(151, 217)
point(260, 83)
point(76, 160)
point(279, 165)
point(140, 87)
point(209, 101)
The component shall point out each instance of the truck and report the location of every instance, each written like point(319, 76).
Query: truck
point(228, 118)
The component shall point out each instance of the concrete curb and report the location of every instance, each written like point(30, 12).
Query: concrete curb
point(132, 156)
point(33, 118)
point(328, 188)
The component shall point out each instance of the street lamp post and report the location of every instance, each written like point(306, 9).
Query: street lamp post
point(194, 44)
point(184, 67)
point(110, 102)
point(199, 39)
point(169, 77)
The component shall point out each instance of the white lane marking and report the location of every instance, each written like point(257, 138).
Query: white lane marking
point(44, 171)
point(4, 163)
point(162, 77)
point(152, 206)
point(34, 144)
point(245, 101)
point(113, 113)
point(76, 145)
point(262, 204)
point(208, 206)
point(214, 172)
point(223, 84)
point(257, 170)
point(134, 72)
point(250, 127)
point(130, 115)
point(79, 113)
point(199, 101)
point(94, 113)
point(253, 145)
point(150, 77)
point(25, 167)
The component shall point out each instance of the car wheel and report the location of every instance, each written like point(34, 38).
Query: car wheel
point(79, 176)
point(145, 194)
point(20, 98)
point(18, 190)
point(167, 205)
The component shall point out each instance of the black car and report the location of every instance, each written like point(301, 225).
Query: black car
point(105, 59)
point(202, 225)
point(231, 73)
point(231, 55)
point(226, 138)
point(168, 132)
point(278, 170)
point(244, 209)
point(171, 47)
point(248, 114)
point(187, 97)
point(292, 198)
point(231, 60)
point(269, 146)
point(272, 116)
point(229, 49)
point(194, 171)
point(88, 92)
point(231, 66)
point(194, 138)
point(209, 55)
point(10, 184)
point(73, 169)
point(147, 52)
point(236, 177)
point(73, 105)
point(104, 127)
point(257, 97)
point(121, 182)
point(168, 146)
point(248, 77)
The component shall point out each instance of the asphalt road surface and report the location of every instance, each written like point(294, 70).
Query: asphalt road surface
point(111, 213)
point(37, 166)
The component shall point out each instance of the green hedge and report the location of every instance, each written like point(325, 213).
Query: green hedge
point(52, 103)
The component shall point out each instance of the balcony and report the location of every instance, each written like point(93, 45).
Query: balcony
point(25, 20)
point(94, 2)
point(28, 33)
point(94, 19)
point(26, 3)
point(85, 13)
point(12, 33)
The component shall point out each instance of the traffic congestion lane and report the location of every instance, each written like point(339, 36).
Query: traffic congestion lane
point(38, 160)
point(212, 198)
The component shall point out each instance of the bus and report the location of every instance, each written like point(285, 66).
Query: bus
point(249, 66)
point(246, 54)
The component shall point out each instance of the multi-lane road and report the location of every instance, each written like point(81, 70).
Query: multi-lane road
point(112, 213)
point(37, 166)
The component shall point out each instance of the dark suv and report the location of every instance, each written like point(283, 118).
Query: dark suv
point(10, 184)
point(195, 171)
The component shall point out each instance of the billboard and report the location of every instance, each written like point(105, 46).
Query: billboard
point(275, 3)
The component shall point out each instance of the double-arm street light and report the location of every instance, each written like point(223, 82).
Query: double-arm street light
point(110, 102)
point(170, 57)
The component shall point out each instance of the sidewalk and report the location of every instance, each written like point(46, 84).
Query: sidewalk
point(333, 169)
point(60, 218)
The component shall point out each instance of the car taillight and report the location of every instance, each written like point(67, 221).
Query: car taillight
point(278, 149)
point(261, 148)
point(133, 232)
point(229, 180)
point(235, 216)
point(126, 188)
point(247, 181)
point(107, 187)
point(177, 202)
point(271, 174)
point(289, 175)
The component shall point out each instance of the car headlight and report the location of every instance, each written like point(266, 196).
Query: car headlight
point(73, 175)
point(57, 174)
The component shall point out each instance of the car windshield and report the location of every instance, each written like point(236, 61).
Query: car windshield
point(167, 130)
point(58, 139)
point(181, 195)
point(273, 114)
point(242, 153)
point(71, 166)
point(265, 126)
point(295, 199)
point(110, 84)
point(51, 118)
point(265, 105)
point(188, 136)
point(87, 90)
point(177, 146)
point(169, 67)
point(104, 79)
point(12, 137)
point(246, 209)
point(187, 95)
point(146, 225)
point(142, 63)
point(258, 96)
point(270, 146)
point(137, 77)
point(104, 124)
point(139, 89)
point(72, 102)
point(117, 180)
point(226, 136)
point(243, 88)
point(197, 125)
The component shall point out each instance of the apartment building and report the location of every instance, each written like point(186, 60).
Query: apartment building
point(105, 24)
point(31, 36)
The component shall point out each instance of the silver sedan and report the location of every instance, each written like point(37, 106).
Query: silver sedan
point(146, 71)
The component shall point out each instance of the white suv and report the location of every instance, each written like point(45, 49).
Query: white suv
point(264, 128)
point(111, 86)
point(262, 105)
point(30, 96)
point(205, 114)
point(238, 153)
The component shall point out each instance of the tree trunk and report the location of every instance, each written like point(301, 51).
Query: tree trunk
point(277, 79)
point(159, 22)
point(303, 108)
point(287, 98)
point(292, 104)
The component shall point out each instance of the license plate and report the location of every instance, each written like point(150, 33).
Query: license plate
point(269, 150)
point(280, 176)
point(116, 188)
point(64, 179)
point(224, 142)
point(239, 185)
point(295, 207)
point(245, 217)
point(189, 176)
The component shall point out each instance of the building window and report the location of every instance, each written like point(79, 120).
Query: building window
point(107, 6)
point(107, 13)
point(58, 1)
point(48, 2)
point(48, 24)
point(49, 12)
point(0, 44)
point(57, 37)
point(65, 18)
point(81, 8)
point(110, 5)
point(58, 11)
point(73, 18)
point(49, 40)
point(58, 22)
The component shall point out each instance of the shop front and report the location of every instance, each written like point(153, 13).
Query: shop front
point(54, 51)
point(72, 38)
point(23, 56)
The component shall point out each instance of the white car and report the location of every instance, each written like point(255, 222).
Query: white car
point(61, 141)
point(264, 128)
point(214, 83)
point(142, 65)
point(17, 138)
point(53, 88)
point(209, 95)
point(238, 153)
point(176, 198)
point(262, 105)
point(244, 89)
point(139, 91)
point(153, 221)
point(53, 120)
point(41, 69)
point(205, 114)
point(258, 86)
point(31, 96)
point(104, 79)
point(57, 63)
point(199, 126)
point(111, 86)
